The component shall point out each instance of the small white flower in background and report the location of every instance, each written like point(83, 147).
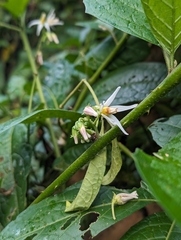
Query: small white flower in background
point(45, 21)
point(52, 37)
point(107, 111)
point(39, 58)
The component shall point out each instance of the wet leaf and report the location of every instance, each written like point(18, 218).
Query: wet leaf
point(48, 219)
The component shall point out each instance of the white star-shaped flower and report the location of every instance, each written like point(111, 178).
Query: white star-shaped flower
point(107, 111)
point(45, 21)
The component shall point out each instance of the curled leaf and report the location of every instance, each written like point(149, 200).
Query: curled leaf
point(90, 185)
point(116, 163)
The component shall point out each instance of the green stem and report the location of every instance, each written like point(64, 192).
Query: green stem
point(168, 83)
point(33, 66)
point(170, 231)
point(125, 150)
point(10, 27)
point(100, 69)
point(75, 90)
point(39, 88)
point(36, 79)
point(31, 96)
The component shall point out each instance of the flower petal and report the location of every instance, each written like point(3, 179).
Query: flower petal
point(115, 122)
point(123, 198)
point(34, 22)
point(47, 26)
point(51, 14)
point(121, 108)
point(39, 28)
point(111, 98)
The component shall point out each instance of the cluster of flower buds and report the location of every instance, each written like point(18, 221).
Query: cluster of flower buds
point(82, 131)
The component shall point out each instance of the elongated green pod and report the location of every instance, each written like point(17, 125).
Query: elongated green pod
point(116, 163)
point(90, 185)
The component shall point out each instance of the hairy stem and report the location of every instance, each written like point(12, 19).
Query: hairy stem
point(168, 83)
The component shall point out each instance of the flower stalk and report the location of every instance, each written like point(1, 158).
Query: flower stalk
point(101, 68)
point(39, 88)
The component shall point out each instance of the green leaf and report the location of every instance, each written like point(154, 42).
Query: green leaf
point(136, 81)
point(39, 116)
point(59, 81)
point(70, 155)
point(15, 163)
point(15, 88)
point(165, 167)
point(164, 130)
point(128, 16)
point(116, 163)
point(90, 185)
point(15, 7)
point(48, 219)
point(165, 22)
point(157, 226)
point(134, 50)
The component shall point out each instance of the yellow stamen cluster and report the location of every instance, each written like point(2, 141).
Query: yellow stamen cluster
point(108, 110)
point(43, 18)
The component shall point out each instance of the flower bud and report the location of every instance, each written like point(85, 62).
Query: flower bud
point(123, 198)
point(75, 135)
point(90, 111)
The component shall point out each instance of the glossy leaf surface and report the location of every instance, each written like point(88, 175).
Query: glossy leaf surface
point(164, 130)
point(165, 167)
point(128, 16)
point(164, 18)
point(136, 81)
